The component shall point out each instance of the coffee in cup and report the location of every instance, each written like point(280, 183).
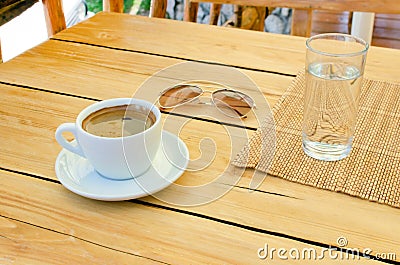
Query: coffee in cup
point(118, 121)
point(110, 131)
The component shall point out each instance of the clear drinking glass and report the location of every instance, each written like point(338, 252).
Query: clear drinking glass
point(334, 71)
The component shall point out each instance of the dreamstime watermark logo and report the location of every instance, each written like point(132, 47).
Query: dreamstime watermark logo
point(334, 253)
point(213, 138)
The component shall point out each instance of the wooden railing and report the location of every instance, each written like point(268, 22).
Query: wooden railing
point(113, 5)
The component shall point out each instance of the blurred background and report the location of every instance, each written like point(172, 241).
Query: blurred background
point(28, 29)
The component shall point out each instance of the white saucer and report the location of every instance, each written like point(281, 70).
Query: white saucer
point(78, 175)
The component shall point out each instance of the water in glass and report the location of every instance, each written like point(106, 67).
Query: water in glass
point(330, 111)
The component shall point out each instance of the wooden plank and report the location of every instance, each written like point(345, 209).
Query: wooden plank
point(128, 227)
point(190, 12)
point(319, 21)
point(36, 106)
point(113, 6)
point(263, 51)
point(260, 51)
point(112, 68)
point(279, 206)
point(305, 212)
point(215, 9)
point(395, 44)
point(331, 17)
point(309, 23)
point(23, 243)
point(382, 6)
point(260, 22)
point(250, 19)
point(387, 33)
point(387, 23)
point(158, 8)
point(236, 17)
point(322, 27)
point(300, 22)
point(388, 16)
point(54, 15)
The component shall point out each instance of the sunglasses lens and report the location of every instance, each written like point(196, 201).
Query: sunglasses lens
point(233, 103)
point(178, 95)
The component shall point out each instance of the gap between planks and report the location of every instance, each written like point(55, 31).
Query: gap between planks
point(198, 215)
point(81, 239)
point(97, 100)
point(176, 57)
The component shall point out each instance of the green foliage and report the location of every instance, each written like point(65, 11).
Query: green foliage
point(128, 5)
point(144, 5)
point(97, 5)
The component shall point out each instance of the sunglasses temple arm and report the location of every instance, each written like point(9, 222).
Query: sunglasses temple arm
point(240, 114)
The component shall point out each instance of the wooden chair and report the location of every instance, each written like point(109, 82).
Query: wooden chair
point(54, 14)
point(55, 20)
point(113, 6)
point(303, 9)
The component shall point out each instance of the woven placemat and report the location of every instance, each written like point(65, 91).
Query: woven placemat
point(371, 171)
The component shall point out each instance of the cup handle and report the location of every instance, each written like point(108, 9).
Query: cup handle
point(68, 127)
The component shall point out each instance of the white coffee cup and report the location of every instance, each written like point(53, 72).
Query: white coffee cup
point(108, 155)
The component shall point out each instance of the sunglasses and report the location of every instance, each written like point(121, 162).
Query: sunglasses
point(230, 102)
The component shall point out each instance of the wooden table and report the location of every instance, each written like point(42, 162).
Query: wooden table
point(109, 56)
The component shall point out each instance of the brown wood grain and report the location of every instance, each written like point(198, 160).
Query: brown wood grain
point(300, 22)
point(388, 16)
point(120, 232)
point(81, 62)
point(382, 6)
point(113, 6)
point(302, 19)
point(190, 12)
point(24, 243)
point(261, 51)
point(322, 27)
point(158, 8)
point(30, 120)
point(225, 46)
point(330, 21)
point(253, 18)
point(229, 230)
point(54, 16)
point(214, 13)
point(331, 16)
point(307, 22)
point(278, 205)
point(387, 33)
point(383, 42)
point(390, 23)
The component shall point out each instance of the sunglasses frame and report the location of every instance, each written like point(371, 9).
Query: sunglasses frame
point(251, 104)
